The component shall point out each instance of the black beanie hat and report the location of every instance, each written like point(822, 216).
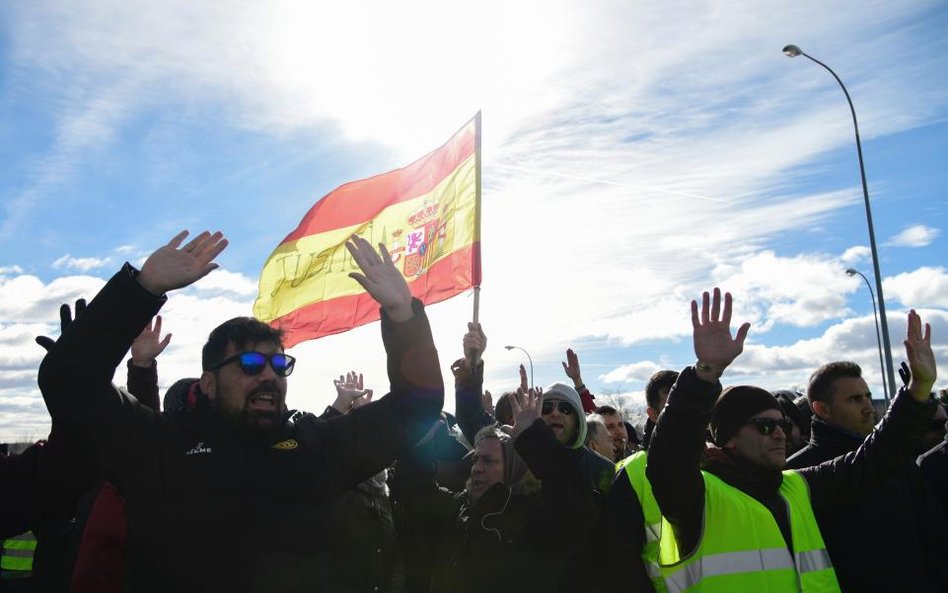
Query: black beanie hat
point(735, 407)
point(785, 398)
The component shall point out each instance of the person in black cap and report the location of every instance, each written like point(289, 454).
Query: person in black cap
point(795, 440)
point(738, 522)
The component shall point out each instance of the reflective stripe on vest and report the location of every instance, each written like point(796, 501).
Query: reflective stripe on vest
point(18, 553)
point(742, 548)
point(634, 467)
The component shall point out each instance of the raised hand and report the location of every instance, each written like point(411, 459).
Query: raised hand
point(571, 367)
point(524, 385)
point(714, 346)
point(65, 319)
point(149, 344)
point(381, 279)
point(173, 266)
point(350, 392)
point(526, 406)
point(487, 402)
point(475, 343)
point(921, 359)
point(904, 373)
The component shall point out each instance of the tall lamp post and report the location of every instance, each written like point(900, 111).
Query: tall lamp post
point(528, 358)
point(885, 389)
point(793, 51)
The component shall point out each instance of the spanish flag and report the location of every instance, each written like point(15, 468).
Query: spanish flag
point(428, 216)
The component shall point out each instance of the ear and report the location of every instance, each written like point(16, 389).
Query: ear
point(652, 414)
point(822, 409)
point(209, 385)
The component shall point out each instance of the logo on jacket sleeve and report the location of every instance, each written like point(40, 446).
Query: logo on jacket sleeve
point(286, 445)
point(198, 449)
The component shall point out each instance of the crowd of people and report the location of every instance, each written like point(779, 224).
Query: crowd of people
point(221, 486)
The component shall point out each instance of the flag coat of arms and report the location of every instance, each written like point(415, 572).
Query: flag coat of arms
point(427, 214)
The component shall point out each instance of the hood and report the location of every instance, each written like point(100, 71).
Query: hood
point(563, 392)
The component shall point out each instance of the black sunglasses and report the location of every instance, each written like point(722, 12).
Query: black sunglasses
point(564, 407)
point(766, 426)
point(252, 363)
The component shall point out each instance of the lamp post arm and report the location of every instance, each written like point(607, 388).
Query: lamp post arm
point(884, 325)
point(885, 387)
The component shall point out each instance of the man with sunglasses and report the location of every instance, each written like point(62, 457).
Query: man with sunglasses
point(233, 495)
point(903, 510)
point(738, 522)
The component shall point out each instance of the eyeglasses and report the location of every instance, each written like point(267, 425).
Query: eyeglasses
point(253, 363)
point(564, 407)
point(766, 426)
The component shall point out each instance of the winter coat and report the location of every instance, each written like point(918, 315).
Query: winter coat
point(902, 511)
point(679, 440)
point(209, 508)
point(515, 538)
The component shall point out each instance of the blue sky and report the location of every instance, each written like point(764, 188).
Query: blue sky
point(634, 154)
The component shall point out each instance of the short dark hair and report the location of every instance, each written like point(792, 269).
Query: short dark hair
point(607, 410)
point(658, 381)
point(821, 387)
point(503, 413)
point(240, 331)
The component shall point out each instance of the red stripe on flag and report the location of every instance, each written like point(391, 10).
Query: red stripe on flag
point(446, 278)
point(336, 209)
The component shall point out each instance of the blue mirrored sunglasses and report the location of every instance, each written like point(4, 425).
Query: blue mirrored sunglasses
point(252, 363)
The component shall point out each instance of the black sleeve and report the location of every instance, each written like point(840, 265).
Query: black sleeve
point(18, 495)
point(367, 439)
point(467, 403)
point(143, 384)
point(884, 452)
point(565, 491)
point(674, 454)
point(76, 375)
point(624, 529)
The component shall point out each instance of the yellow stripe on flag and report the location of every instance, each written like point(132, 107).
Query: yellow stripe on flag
point(427, 214)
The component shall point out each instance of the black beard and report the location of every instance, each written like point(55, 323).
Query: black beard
point(248, 422)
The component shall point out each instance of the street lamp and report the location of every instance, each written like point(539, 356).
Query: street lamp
point(793, 51)
point(528, 358)
point(885, 389)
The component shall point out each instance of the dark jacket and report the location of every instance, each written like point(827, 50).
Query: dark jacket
point(471, 416)
point(98, 561)
point(902, 511)
point(934, 466)
point(623, 524)
point(364, 556)
point(674, 469)
point(512, 539)
point(210, 509)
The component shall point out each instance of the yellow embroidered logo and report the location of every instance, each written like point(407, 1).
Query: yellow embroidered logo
point(286, 445)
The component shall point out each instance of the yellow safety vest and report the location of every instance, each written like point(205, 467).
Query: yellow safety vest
point(741, 547)
point(634, 467)
point(18, 553)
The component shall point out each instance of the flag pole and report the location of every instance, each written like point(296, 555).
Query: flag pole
point(476, 275)
point(477, 216)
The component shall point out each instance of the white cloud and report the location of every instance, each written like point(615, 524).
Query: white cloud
point(82, 264)
point(636, 371)
point(914, 236)
point(776, 367)
point(924, 287)
point(225, 281)
point(7, 270)
point(855, 255)
point(26, 299)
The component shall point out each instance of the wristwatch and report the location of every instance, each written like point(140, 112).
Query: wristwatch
point(707, 368)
